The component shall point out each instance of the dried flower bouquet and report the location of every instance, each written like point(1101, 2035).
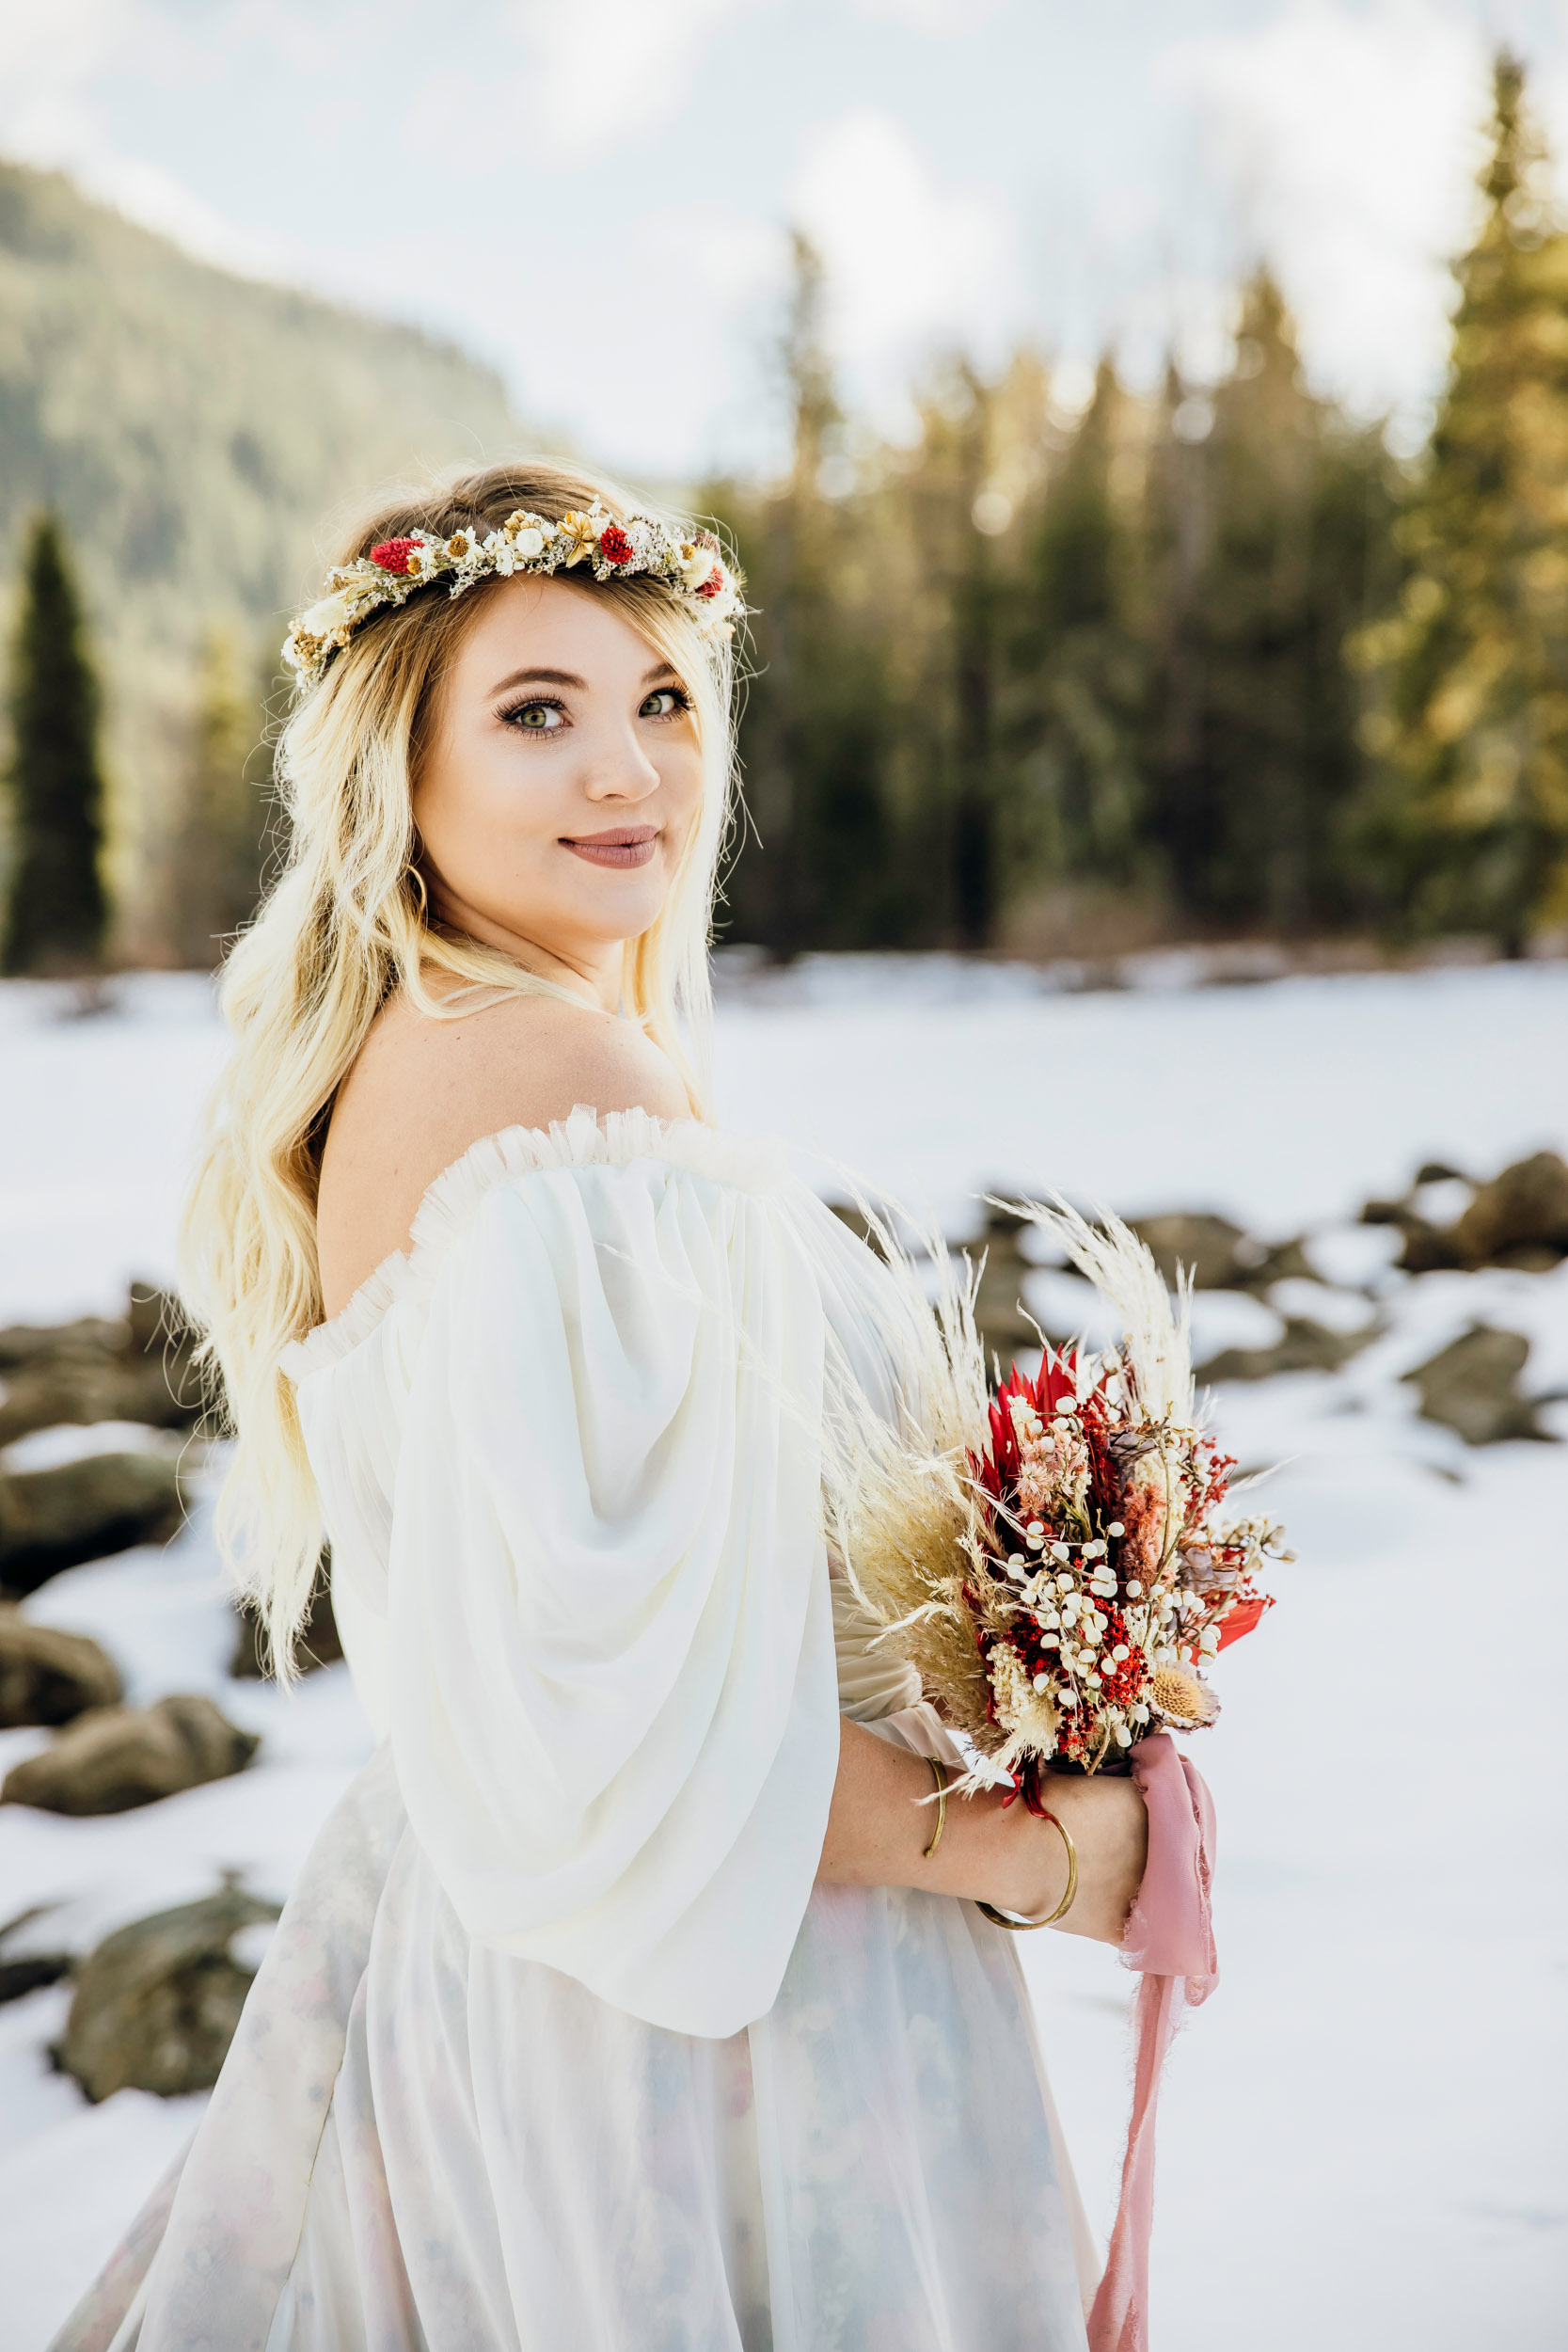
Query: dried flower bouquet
point(1052, 1553)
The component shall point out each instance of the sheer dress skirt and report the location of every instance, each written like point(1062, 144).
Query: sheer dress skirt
point(420, 2142)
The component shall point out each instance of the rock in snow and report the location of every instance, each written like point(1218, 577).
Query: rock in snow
point(47, 1675)
point(1518, 1219)
point(139, 1370)
point(1302, 1346)
point(115, 1758)
point(157, 2003)
point(1473, 1386)
point(53, 1518)
point(319, 1644)
point(1217, 1255)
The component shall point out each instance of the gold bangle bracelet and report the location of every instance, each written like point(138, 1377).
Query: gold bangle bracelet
point(939, 1773)
point(1015, 1925)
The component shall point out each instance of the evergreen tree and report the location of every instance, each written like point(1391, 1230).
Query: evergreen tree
point(1077, 702)
point(818, 869)
point(1018, 674)
point(1265, 513)
point(952, 711)
point(55, 914)
point(218, 853)
point(1477, 722)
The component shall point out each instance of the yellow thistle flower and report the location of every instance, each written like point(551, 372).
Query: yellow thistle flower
point(1182, 1697)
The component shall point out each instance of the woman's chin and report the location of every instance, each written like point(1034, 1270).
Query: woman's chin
point(611, 905)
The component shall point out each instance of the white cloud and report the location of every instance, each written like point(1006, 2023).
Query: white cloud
point(1346, 138)
point(974, 172)
point(598, 68)
point(46, 59)
point(933, 16)
point(914, 264)
point(52, 71)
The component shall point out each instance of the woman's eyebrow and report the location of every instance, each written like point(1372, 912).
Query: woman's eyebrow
point(570, 677)
point(542, 677)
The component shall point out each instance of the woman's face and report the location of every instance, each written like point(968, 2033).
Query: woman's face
point(561, 781)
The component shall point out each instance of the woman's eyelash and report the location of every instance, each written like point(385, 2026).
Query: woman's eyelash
point(530, 702)
point(679, 697)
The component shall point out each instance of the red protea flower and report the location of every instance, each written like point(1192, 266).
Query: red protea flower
point(713, 583)
point(614, 546)
point(393, 554)
point(1242, 1617)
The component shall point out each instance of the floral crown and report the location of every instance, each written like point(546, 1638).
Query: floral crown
point(614, 547)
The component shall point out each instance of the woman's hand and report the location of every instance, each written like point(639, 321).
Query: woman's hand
point(1109, 1825)
point(879, 1826)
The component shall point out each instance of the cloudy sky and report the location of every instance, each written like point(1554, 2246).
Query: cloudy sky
point(595, 194)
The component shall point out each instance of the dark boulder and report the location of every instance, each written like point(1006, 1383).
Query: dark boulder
point(25, 1345)
point(1426, 1248)
point(1302, 1346)
point(30, 1972)
point(1472, 1385)
point(319, 1644)
point(76, 1389)
point(119, 1756)
point(83, 1510)
point(1520, 1218)
point(22, 1972)
point(1005, 1327)
point(48, 1677)
point(849, 1213)
point(157, 2003)
point(1210, 1248)
point(1218, 1255)
point(140, 1370)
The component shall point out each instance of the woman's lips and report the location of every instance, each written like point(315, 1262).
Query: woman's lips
point(625, 845)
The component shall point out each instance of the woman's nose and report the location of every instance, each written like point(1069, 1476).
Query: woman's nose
point(618, 768)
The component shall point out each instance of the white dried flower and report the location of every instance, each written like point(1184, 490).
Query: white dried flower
point(328, 615)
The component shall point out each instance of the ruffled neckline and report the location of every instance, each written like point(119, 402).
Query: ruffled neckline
point(583, 1139)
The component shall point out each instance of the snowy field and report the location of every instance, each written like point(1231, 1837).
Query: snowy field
point(1362, 2143)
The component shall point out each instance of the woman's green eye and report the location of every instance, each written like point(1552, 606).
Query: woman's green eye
point(536, 716)
point(662, 704)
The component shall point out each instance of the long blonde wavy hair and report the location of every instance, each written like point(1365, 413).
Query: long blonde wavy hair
point(341, 927)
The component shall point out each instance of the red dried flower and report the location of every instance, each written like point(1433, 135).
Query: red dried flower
point(393, 554)
point(1243, 1617)
point(614, 546)
point(712, 584)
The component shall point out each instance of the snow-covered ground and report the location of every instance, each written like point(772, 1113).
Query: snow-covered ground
point(1361, 2140)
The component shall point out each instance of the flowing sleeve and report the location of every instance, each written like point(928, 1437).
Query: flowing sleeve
point(610, 1650)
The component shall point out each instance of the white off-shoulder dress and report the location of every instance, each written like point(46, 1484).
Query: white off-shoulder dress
point(557, 2048)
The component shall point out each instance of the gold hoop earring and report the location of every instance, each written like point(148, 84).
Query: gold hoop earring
point(418, 880)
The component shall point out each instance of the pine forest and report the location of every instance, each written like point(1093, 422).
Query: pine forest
point(1206, 662)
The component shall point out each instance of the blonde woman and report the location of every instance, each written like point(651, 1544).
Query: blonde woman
point(635, 1997)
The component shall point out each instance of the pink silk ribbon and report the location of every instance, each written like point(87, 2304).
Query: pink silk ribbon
point(1169, 1939)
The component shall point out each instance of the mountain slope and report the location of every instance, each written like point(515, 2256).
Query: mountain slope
point(198, 433)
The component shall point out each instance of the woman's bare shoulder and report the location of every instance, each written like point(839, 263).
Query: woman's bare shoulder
point(423, 1090)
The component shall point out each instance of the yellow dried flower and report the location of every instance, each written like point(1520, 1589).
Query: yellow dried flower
point(583, 536)
point(1182, 1697)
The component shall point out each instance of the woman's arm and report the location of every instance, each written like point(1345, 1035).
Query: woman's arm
point(878, 1829)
